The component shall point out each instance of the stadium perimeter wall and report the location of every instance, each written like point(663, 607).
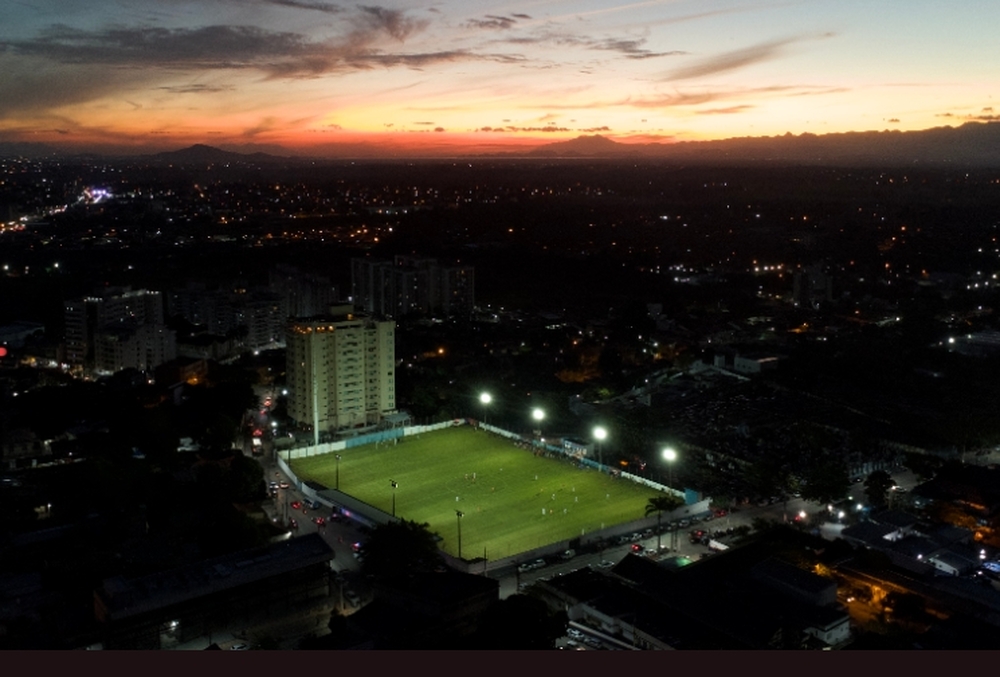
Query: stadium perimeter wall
point(371, 516)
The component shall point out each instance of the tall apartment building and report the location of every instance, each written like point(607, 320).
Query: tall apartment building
point(340, 370)
point(412, 285)
point(811, 287)
point(260, 311)
point(302, 294)
point(106, 318)
point(143, 347)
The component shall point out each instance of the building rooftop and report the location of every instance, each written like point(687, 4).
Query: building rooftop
point(127, 597)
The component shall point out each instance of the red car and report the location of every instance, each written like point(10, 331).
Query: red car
point(319, 521)
point(637, 547)
point(296, 505)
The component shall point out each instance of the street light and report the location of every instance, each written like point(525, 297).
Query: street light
point(337, 476)
point(393, 484)
point(600, 434)
point(459, 514)
point(670, 455)
point(485, 398)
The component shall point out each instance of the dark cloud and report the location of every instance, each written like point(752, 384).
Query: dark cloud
point(491, 22)
point(521, 16)
point(944, 115)
point(987, 109)
point(729, 110)
point(209, 46)
point(423, 123)
point(265, 125)
point(893, 120)
point(631, 48)
point(196, 89)
point(983, 118)
point(439, 129)
point(325, 7)
point(546, 129)
point(731, 61)
point(277, 54)
point(392, 21)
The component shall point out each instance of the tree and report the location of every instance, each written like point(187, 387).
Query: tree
point(659, 505)
point(520, 622)
point(400, 549)
point(245, 478)
point(826, 481)
point(877, 487)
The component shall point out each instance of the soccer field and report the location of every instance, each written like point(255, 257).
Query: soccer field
point(512, 500)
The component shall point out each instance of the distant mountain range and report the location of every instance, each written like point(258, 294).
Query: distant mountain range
point(201, 154)
point(971, 144)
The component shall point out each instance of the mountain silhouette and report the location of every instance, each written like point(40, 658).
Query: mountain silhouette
point(973, 143)
point(201, 153)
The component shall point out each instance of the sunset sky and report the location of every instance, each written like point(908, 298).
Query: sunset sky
point(319, 77)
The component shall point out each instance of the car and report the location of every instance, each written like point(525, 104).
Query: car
point(273, 484)
point(238, 647)
point(296, 505)
point(647, 533)
point(636, 547)
point(606, 564)
point(574, 633)
point(721, 513)
point(320, 521)
point(568, 555)
point(538, 564)
point(650, 552)
point(352, 597)
point(356, 546)
point(283, 485)
point(684, 524)
point(293, 524)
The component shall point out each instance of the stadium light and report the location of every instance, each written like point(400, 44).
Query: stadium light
point(485, 398)
point(600, 434)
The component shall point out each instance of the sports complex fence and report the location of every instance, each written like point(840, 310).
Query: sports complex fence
point(371, 516)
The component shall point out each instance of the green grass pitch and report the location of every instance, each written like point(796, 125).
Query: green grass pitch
point(512, 500)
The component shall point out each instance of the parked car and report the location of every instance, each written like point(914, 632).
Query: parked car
point(568, 555)
point(606, 564)
point(296, 505)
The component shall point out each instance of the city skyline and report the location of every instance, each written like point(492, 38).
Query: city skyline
point(398, 79)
